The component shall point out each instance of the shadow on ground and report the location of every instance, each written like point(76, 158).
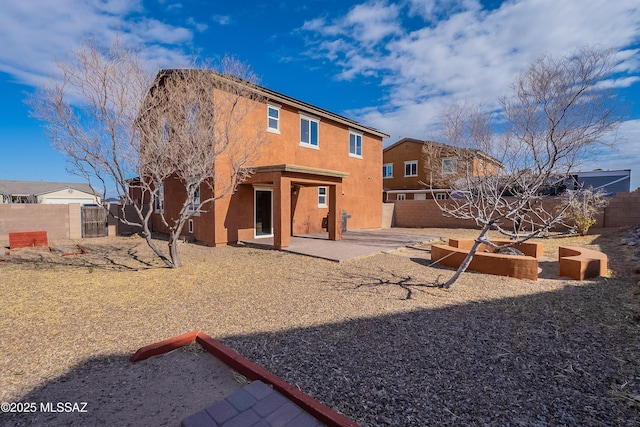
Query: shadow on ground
point(548, 359)
point(570, 357)
point(112, 391)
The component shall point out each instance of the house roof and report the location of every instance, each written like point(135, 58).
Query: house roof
point(477, 152)
point(276, 97)
point(28, 188)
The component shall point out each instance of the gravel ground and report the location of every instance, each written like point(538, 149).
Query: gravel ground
point(374, 338)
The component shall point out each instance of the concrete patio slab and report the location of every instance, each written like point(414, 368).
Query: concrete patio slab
point(354, 244)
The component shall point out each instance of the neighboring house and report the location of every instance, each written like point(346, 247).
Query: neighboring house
point(47, 192)
point(315, 165)
point(611, 182)
point(419, 170)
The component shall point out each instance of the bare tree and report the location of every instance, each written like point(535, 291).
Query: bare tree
point(558, 114)
point(196, 129)
point(90, 106)
point(583, 206)
point(102, 104)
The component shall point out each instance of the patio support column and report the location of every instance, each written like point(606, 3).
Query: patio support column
point(281, 212)
point(335, 212)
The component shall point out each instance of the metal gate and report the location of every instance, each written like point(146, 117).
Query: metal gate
point(94, 221)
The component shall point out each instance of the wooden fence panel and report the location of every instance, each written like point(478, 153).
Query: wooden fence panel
point(94, 221)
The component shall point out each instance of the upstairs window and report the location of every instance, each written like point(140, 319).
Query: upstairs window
point(449, 165)
point(355, 144)
point(195, 205)
point(322, 197)
point(387, 170)
point(309, 132)
point(273, 118)
point(411, 168)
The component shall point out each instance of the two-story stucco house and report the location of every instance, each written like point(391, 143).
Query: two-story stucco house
point(417, 170)
point(315, 165)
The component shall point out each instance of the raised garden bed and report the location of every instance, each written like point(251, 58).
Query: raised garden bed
point(486, 260)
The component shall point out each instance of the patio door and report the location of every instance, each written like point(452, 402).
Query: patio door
point(263, 215)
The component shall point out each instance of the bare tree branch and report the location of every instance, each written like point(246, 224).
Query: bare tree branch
point(556, 117)
point(119, 125)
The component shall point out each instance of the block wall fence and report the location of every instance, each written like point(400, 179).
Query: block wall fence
point(623, 210)
point(63, 222)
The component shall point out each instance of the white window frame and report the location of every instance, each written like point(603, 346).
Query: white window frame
point(195, 205)
point(454, 162)
point(190, 226)
point(441, 196)
point(384, 168)
point(310, 120)
point(357, 136)
point(411, 163)
point(276, 108)
point(401, 196)
point(322, 198)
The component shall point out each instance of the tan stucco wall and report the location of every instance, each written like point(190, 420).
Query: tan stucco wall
point(231, 218)
point(59, 221)
point(398, 155)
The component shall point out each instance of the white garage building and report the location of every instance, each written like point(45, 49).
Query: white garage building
point(47, 192)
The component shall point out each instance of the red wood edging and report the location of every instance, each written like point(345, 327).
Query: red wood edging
point(252, 371)
point(164, 346)
point(82, 249)
point(245, 367)
point(28, 239)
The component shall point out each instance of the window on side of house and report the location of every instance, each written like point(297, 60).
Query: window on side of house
point(441, 196)
point(309, 132)
point(401, 196)
point(273, 118)
point(191, 226)
point(160, 199)
point(387, 170)
point(322, 197)
point(195, 205)
point(411, 168)
point(449, 165)
point(355, 144)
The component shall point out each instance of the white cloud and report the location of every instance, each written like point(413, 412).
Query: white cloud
point(625, 153)
point(221, 19)
point(364, 24)
point(197, 25)
point(463, 51)
point(460, 50)
point(34, 33)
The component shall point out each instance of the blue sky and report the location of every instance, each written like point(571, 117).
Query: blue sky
point(390, 65)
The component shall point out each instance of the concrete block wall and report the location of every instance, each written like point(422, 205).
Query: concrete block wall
point(75, 221)
point(59, 221)
point(623, 210)
point(425, 213)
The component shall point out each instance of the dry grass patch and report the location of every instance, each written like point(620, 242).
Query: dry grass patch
point(489, 350)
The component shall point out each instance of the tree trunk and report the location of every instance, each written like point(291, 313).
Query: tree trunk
point(463, 267)
point(155, 249)
point(173, 250)
point(174, 237)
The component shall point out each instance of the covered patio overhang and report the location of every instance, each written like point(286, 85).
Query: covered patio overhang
point(283, 177)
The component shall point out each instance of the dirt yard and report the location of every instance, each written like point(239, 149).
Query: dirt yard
point(373, 338)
